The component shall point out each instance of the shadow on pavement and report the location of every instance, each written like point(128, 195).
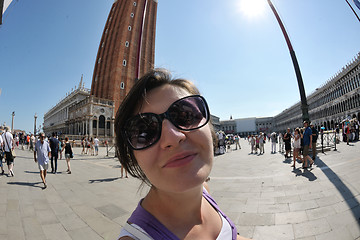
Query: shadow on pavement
point(32, 172)
point(103, 180)
point(26, 184)
point(345, 192)
point(306, 173)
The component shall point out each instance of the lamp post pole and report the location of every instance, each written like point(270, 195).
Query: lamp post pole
point(12, 121)
point(35, 116)
point(304, 105)
point(352, 10)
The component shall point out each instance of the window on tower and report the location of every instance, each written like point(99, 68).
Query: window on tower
point(132, 15)
point(134, 4)
point(127, 44)
point(129, 28)
point(122, 85)
point(124, 62)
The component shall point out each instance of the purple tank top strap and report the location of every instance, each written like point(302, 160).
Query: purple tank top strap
point(150, 224)
point(214, 204)
point(158, 231)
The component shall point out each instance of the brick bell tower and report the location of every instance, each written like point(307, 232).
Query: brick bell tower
point(127, 49)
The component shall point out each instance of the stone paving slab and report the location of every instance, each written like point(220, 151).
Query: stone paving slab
point(264, 196)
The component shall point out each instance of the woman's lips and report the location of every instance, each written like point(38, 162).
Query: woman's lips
point(180, 161)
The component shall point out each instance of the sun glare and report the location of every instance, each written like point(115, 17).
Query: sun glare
point(252, 8)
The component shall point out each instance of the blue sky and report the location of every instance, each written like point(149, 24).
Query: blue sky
point(240, 62)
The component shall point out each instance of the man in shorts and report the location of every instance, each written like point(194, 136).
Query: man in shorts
point(41, 156)
point(307, 144)
point(1, 153)
point(8, 144)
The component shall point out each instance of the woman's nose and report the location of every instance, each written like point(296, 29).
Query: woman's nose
point(170, 135)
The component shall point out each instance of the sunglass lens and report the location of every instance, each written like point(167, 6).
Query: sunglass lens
point(189, 113)
point(143, 130)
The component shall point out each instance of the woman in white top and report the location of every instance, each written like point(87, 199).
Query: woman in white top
point(164, 138)
point(297, 146)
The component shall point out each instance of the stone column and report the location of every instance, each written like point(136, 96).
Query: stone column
point(97, 126)
point(112, 128)
point(90, 127)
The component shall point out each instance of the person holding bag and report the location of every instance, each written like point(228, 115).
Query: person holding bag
point(9, 147)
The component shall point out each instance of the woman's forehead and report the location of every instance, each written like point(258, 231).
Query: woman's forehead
point(160, 98)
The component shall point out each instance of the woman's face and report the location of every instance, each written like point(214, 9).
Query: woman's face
point(180, 160)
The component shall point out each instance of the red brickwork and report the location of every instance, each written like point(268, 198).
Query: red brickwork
point(120, 41)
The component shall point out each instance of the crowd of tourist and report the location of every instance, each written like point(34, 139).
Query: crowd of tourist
point(296, 144)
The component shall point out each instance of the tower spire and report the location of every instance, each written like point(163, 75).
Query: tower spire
point(81, 82)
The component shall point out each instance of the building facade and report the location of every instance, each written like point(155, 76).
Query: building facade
point(329, 105)
point(80, 114)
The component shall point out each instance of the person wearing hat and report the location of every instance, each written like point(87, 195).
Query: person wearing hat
point(307, 144)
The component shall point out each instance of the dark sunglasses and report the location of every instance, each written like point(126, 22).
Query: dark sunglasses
point(188, 113)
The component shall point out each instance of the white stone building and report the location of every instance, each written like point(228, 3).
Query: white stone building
point(80, 114)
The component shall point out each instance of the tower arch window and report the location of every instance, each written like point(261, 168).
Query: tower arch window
point(129, 28)
point(127, 44)
point(106, 31)
point(124, 62)
point(102, 121)
point(132, 15)
point(134, 3)
point(122, 85)
point(102, 45)
point(99, 60)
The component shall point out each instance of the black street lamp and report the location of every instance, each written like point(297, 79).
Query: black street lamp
point(12, 121)
point(35, 116)
point(304, 105)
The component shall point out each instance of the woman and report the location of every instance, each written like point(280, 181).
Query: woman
point(297, 146)
point(83, 145)
point(163, 138)
point(68, 154)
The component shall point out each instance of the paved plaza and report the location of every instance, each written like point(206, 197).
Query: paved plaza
point(262, 194)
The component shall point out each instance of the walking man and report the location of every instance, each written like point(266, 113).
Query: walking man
point(315, 135)
point(1, 153)
point(273, 142)
point(54, 146)
point(8, 147)
point(41, 156)
point(237, 143)
point(307, 144)
point(96, 145)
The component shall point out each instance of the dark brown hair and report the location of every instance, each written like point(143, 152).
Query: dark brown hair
point(137, 95)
